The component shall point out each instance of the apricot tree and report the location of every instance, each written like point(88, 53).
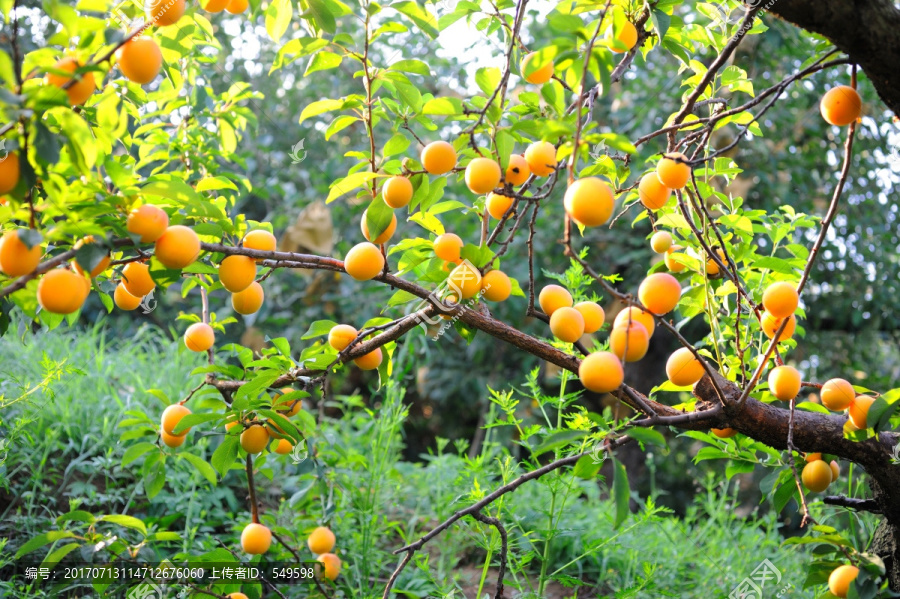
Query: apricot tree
point(119, 181)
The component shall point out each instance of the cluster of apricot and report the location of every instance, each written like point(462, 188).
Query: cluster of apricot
point(818, 474)
point(256, 539)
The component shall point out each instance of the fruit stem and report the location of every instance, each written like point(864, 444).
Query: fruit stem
point(853, 76)
point(254, 508)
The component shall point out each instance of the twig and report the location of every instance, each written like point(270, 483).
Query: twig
point(504, 548)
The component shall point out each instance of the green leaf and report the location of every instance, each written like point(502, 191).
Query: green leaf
point(443, 106)
point(41, 540)
point(882, 409)
point(77, 516)
point(487, 79)
point(349, 183)
point(278, 17)
point(126, 521)
point(136, 451)
point(320, 107)
point(620, 492)
point(56, 556)
point(559, 439)
point(378, 217)
point(586, 468)
point(647, 436)
point(190, 420)
point(661, 22)
point(418, 15)
point(397, 144)
point(319, 328)
point(321, 14)
point(323, 61)
point(201, 465)
point(225, 455)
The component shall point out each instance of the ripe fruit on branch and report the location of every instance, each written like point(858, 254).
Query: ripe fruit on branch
point(62, 291)
point(289, 407)
point(840, 579)
point(331, 565)
point(124, 300)
point(283, 447)
point(659, 293)
point(633, 313)
point(497, 204)
point(237, 272)
point(812, 457)
point(438, 158)
point(447, 247)
point(835, 470)
point(164, 12)
point(496, 286)
point(136, 279)
point(712, 267)
point(517, 171)
point(178, 247)
point(626, 37)
point(661, 241)
point(464, 280)
point(101, 266)
point(541, 158)
point(593, 316)
point(172, 440)
point(256, 539)
point(672, 170)
point(724, 433)
point(199, 337)
point(148, 221)
point(139, 59)
point(369, 361)
point(84, 86)
point(553, 297)
point(629, 341)
point(534, 72)
point(16, 258)
point(840, 105)
point(482, 175)
point(567, 324)
point(385, 235)
point(669, 258)
point(171, 416)
point(653, 194)
point(784, 382)
point(770, 325)
point(683, 368)
point(589, 202)
point(837, 394)
point(859, 410)
point(248, 301)
point(397, 192)
point(260, 240)
point(214, 6)
point(254, 439)
point(816, 476)
point(781, 299)
point(364, 261)
point(9, 173)
point(321, 540)
point(236, 7)
point(601, 372)
point(341, 336)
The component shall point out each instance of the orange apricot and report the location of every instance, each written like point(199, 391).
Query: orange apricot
point(517, 171)
point(236, 7)
point(567, 324)
point(214, 6)
point(840, 105)
point(673, 171)
point(465, 280)
point(124, 300)
point(237, 272)
point(369, 361)
point(62, 291)
point(835, 470)
point(447, 247)
point(101, 266)
point(553, 297)
point(248, 301)
point(283, 447)
point(172, 440)
point(497, 205)
point(496, 286)
point(260, 239)
point(812, 457)
point(164, 12)
point(589, 201)
point(770, 325)
point(671, 263)
point(172, 415)
point(140, 59)
point(633, 313)
point(683, 368)
point(364, 261)
point(80, 91)
point(537, 73)
point(137, 280)
point(661, 241)
point(659, 293)
point(321, 540)
point(629, 341)
point(724, 433)
point(178, 247)
point(593, 316)
point(840, 579)
point(781, 299)
point(148, 221)
point(384, 236)
point(331, 565)
point(712, 267)
point(199, 337)
point(601, 372)
point(438, 158)
point(9, 173)
point(653, 194)
point(541, 158)
point(859, 410)
point(256, 538)
point(626, 37)
point(784, 382)
point(254, 438)
point(341, 336)
point(16, 258)
point(816, 476)
point(482, 175)
point(397, 192)
point(837, 394)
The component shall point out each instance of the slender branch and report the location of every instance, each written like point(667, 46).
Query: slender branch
point(254, 506)
point(504, 548)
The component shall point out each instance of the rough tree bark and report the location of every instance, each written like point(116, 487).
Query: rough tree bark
point(867, 30)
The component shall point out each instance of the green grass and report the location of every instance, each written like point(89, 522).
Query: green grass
point(63, 451)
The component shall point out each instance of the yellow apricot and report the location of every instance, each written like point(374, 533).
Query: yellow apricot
point(178, 247)
point(653, 194)
point(724, 433)
point(465, 281)
point(629, 341)
point(248, 301)
point(283, 447)
point(148, 221)
point(140, 59)
point(840, 105)
point(553, 297)
point(256, 538)
point(84, 86)
point(816, 476)
point(199, 337)
point(384, 236)
point(497, 205)
point(517, 171)
point(237, 272)
point(627, 36)
point(496, 286)
point(661, 241)
point(659, 293)
point(124, 300)
point(137, 280)
point(397, 192)
point(331, 565)
point(683, 368)
point(673, 171)
point(482, 175)
point(601, 372)
point(364, 261)
point(447, 247)
point(16, 258)
point(781, 299)
point(9, 173)
point(438, 158)
point(541, 158)
point(172, 440)
point(770, 325)
point(670, 261)
point(341, 336)
point(835, 470)
point(784, 382)
point(101, 266)
point(589, 201)
point(536, 74)
point(840, 579)
point(593, 316)
point(369, 361)
point(261, 240)
point(633, 313)
point(164, 12)
point(567, 324)
point(171, 416)
point(290, 407)
point(62, 291)
point(837, 394)
point(859, 410)
point(254, 438)
point(321, 540)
